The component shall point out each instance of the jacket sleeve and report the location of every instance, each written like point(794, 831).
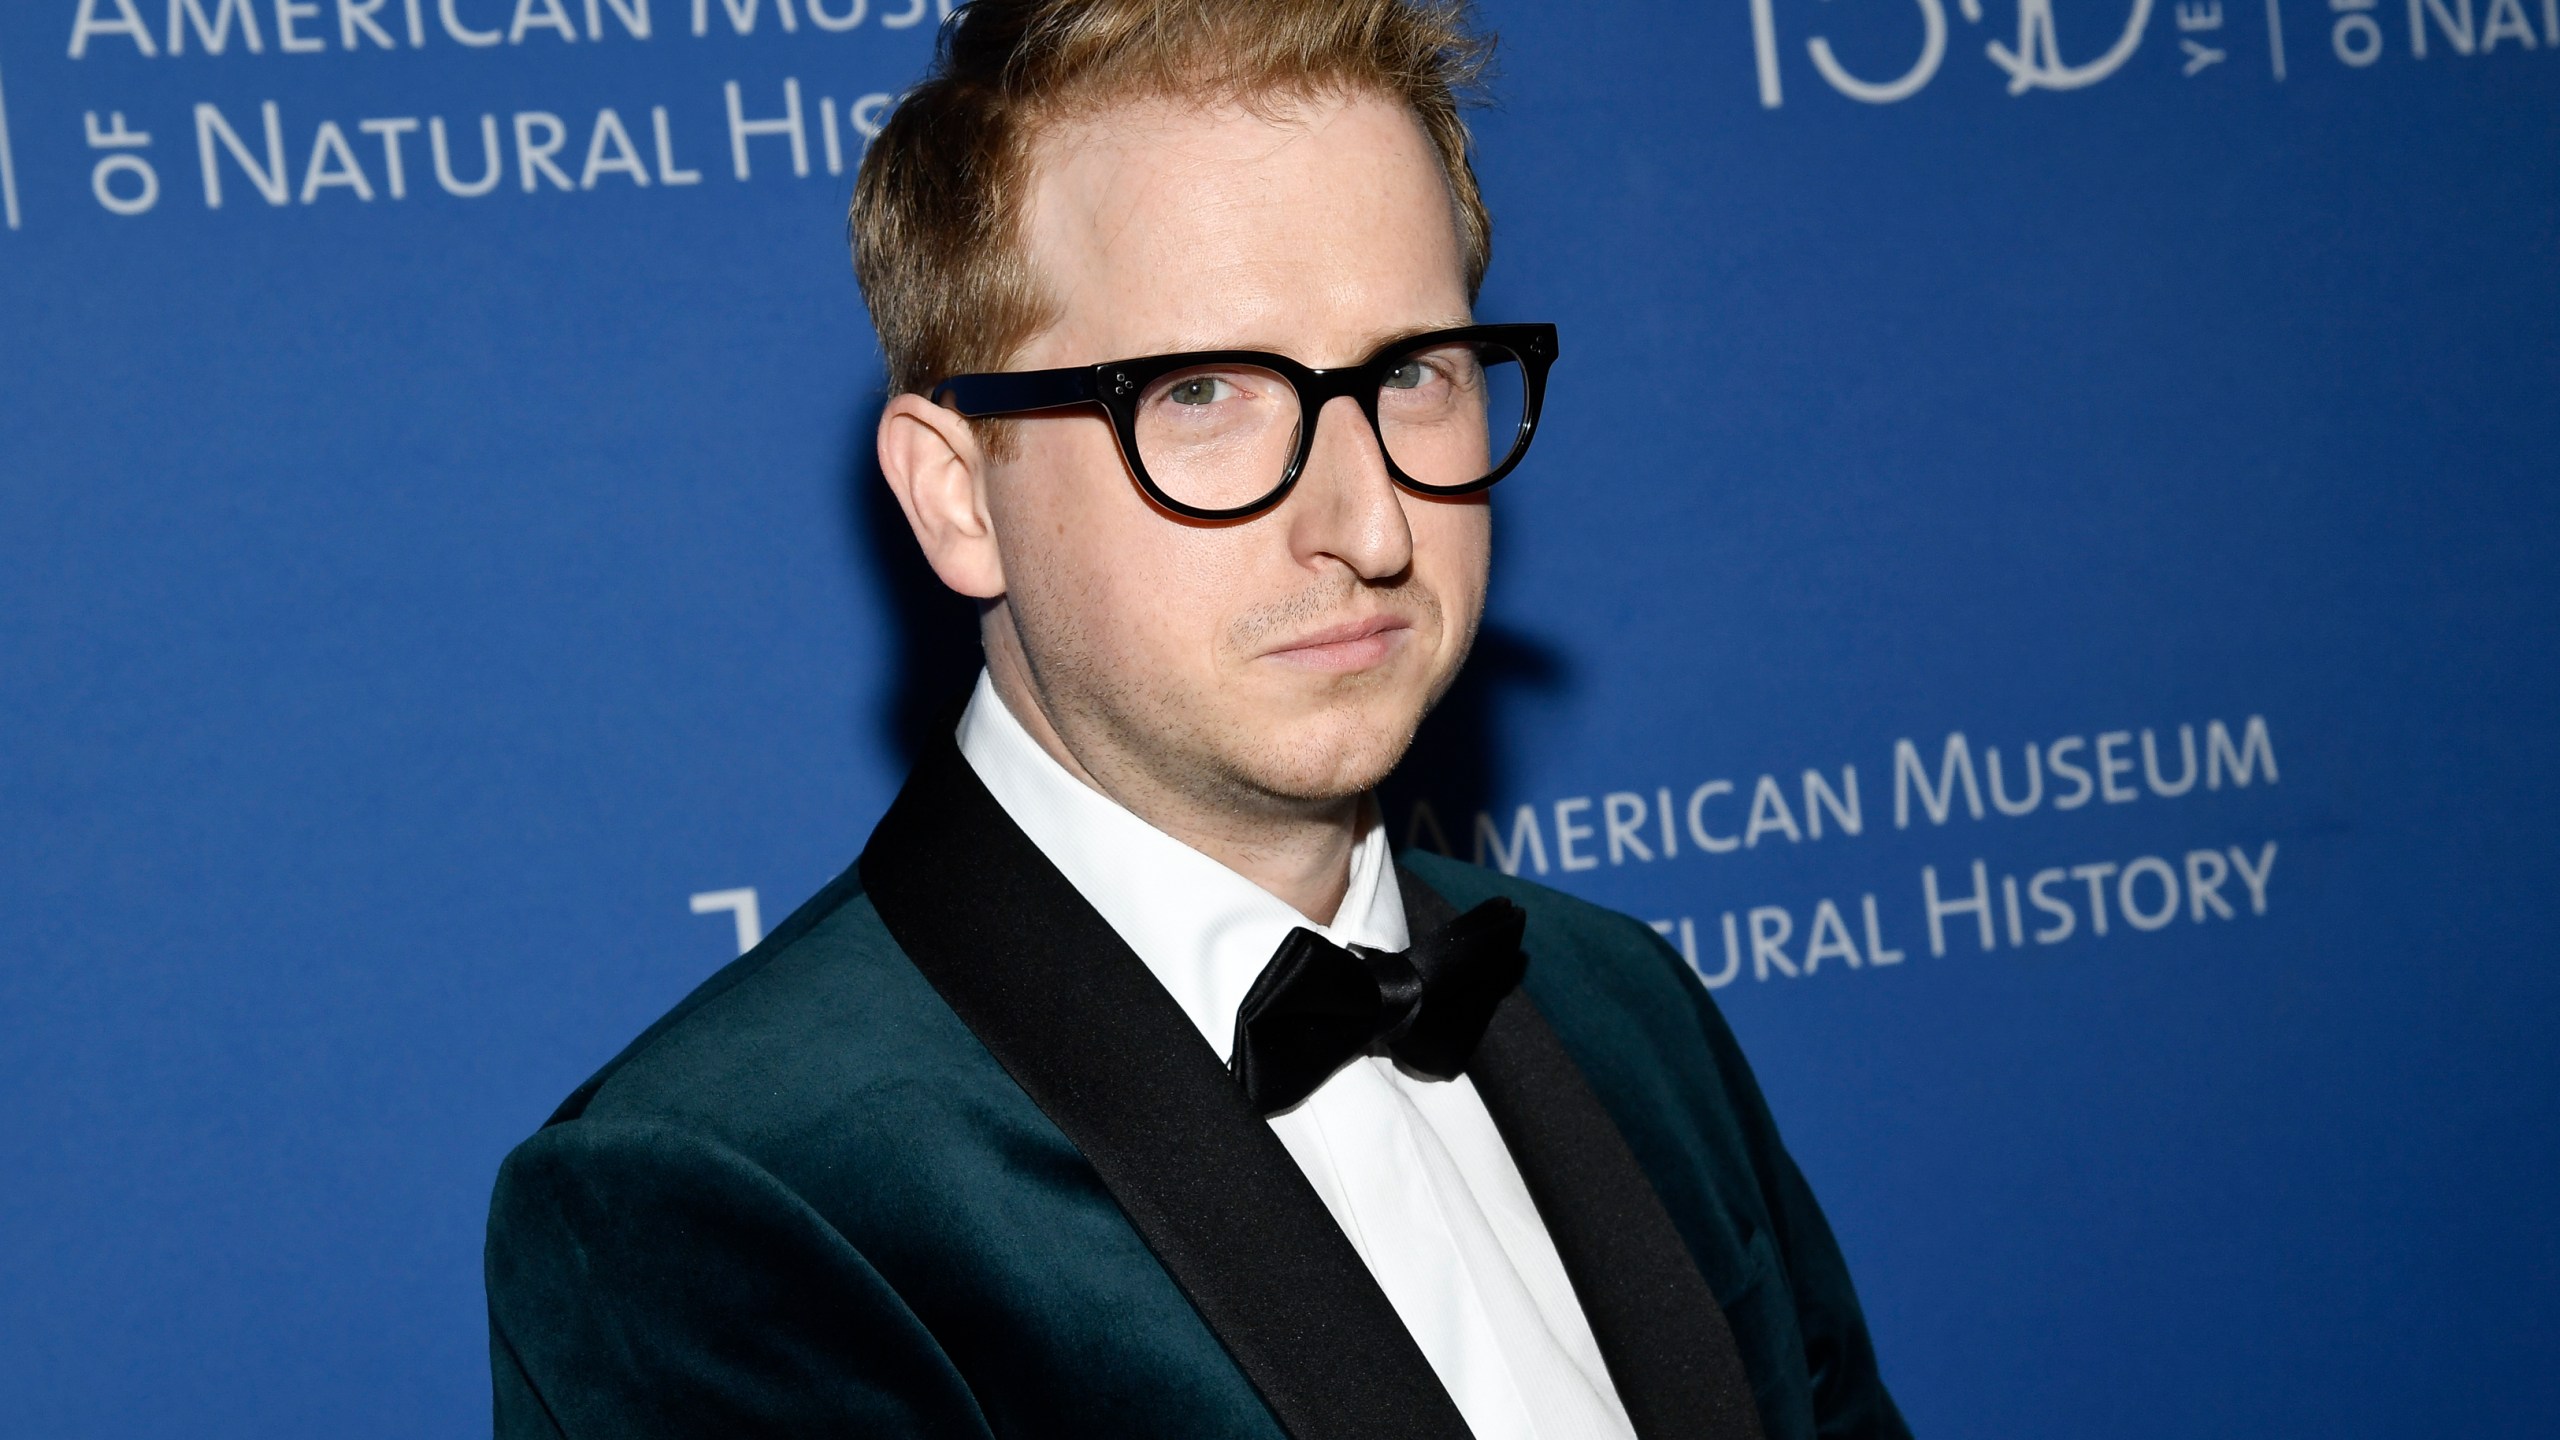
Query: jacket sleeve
point(1849, 1399)
point(644, 1281)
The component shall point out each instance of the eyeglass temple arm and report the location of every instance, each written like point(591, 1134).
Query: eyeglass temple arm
point(1015, 391)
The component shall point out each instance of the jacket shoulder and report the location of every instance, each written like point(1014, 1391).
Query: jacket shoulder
point(826, 1022)
point(812, 914)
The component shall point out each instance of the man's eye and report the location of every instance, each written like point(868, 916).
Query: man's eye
point(1199, 390)
point(1408, 376)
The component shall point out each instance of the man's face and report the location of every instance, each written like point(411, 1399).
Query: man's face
point(1284, 659)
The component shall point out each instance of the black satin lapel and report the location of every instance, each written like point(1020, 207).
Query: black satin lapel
point(1076, 1019)
point(1669, 1348)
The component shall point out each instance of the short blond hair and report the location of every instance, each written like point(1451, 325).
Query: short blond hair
point(937, 210)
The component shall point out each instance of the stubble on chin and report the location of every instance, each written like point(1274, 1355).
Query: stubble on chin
point(1261, 742)
point(1329, 738)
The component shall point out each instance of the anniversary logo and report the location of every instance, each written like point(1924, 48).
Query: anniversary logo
point(2040, 58)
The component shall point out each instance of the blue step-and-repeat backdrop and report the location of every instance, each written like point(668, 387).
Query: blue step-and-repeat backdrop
point(2040, 580)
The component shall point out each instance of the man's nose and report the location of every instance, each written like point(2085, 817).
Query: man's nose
point(1346, 507)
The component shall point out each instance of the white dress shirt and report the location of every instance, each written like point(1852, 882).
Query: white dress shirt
point(1412, 1169)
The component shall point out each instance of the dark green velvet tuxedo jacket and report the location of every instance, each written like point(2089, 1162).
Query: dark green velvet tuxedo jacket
point(939, 1158)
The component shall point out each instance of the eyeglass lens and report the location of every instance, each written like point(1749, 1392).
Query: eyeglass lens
point(1221, 436)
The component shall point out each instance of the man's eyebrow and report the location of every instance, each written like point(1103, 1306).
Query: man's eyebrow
point(1367, 345)
point(1380, 339)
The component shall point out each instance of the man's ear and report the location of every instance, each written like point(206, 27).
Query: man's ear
point(933, 463)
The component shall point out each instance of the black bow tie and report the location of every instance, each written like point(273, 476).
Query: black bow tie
point(1317, 1006)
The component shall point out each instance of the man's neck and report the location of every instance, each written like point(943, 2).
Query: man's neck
point(1300, 854)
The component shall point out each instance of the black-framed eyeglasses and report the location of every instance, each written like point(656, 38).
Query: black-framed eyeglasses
point(1223, 434)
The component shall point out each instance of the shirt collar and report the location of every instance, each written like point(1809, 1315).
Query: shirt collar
point(1205, 931)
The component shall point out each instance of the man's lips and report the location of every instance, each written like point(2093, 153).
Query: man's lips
point(1350, 645)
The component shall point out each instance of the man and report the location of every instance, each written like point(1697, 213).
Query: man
point(1128, 1086)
